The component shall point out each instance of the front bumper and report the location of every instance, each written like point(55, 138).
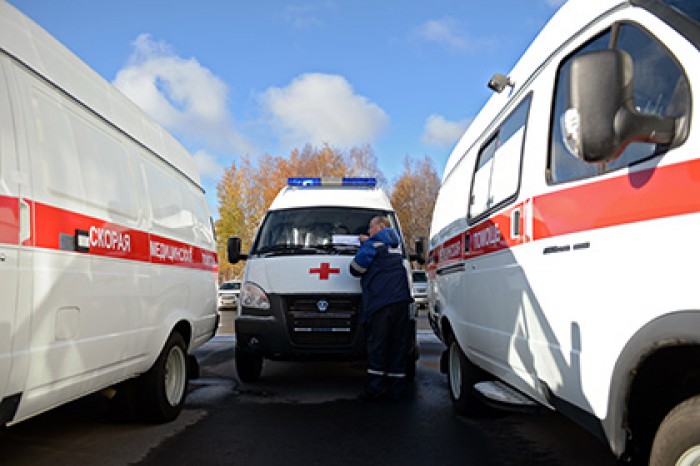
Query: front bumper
point(294, 328)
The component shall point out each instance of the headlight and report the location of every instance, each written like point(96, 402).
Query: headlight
point(253, 296)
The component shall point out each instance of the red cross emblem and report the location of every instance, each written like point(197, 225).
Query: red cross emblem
point(324, 271)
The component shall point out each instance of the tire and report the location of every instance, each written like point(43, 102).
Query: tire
point(677, 441)
point(163, 389)
point(462, 374)
point(413, 355)
point(248, 365)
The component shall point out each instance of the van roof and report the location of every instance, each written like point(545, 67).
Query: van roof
point(572, 17)
point(31, 45)
point(291, 197)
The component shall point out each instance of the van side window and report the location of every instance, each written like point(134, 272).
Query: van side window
point(660, 87)
point(74, 150)
point(497, 174)
point(171, 213)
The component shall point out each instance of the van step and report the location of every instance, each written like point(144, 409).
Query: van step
point(502, 396)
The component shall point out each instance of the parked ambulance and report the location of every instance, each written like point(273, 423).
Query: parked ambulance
point(298, 299)
point(563, 256)
point(107, 254)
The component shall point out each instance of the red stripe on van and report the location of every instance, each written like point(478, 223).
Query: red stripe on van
point(636, 197)
point(9, 220)
point(495, 233)
point(641, 196)
point(57, 229)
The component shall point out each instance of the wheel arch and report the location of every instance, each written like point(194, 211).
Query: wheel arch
point(656, 370)
point(184, 328)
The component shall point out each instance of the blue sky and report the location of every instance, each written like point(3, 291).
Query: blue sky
point(229, 78)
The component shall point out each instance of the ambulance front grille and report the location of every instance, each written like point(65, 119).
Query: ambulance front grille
point(322, 320)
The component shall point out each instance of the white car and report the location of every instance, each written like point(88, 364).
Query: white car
point(420, 288)
point(229, 292)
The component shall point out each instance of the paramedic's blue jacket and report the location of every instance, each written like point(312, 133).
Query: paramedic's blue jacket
point(384, 279)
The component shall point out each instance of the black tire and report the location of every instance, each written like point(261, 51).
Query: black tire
point(462, 374)
point(677, 441)
point(248, 365)
point(163, 389)
point(413, 355)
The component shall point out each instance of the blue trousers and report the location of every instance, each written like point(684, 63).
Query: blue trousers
point(388, 340)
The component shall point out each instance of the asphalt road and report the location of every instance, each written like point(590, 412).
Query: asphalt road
point(301, 414)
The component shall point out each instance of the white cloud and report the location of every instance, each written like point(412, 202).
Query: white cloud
point(181, 94)
point(322, 108)
point(209, 167)
point(445, 31)
point(442, 133)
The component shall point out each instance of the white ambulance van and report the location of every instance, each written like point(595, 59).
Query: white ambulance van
point(563, 263)
point(107, 254)
point(298, 300)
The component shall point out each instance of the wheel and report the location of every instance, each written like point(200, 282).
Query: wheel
point(413, 355)
point(162, 390)
point(677, 441)
point(248, 365)
point(461, 377)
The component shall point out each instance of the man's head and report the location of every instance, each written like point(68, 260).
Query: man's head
point(377, 224)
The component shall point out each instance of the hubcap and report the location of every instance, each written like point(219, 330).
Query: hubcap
point(690, 457)
point(175, 376)
point(455, 372)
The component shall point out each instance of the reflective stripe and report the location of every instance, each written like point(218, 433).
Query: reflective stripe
point(397, 375)
point(357, 267)
point(373, 372)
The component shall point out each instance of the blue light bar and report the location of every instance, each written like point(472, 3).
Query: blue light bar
point(311, 182)
point(303, 181)
point(369, 182)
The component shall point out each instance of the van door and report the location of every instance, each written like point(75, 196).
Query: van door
point(493, 281)
point(598, 231)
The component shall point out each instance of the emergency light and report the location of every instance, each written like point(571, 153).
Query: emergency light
point(312, 182)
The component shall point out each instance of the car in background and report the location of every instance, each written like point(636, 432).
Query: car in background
point(420, 288)
point(229, 292)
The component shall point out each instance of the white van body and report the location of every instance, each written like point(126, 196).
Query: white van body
point(106, 244)
point(573, 278)
point(298, 299)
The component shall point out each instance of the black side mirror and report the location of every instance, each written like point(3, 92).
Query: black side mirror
point(233, 250)
point(601, 119)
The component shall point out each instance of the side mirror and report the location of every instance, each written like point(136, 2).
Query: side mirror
point(601, 119)
point(233, 250)
point(421, 251)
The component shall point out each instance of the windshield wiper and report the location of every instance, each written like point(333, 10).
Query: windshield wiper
point(340, 248)
point(285, 249)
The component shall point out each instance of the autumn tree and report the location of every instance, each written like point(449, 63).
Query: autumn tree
point(413, 198)
point(363, 163)
point(248, 188)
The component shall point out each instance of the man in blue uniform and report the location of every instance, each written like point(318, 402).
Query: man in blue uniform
point(385, 310)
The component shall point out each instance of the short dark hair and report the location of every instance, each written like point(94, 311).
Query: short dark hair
point(382, 220)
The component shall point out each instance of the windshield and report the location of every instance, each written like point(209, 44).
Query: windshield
point(419, 276)
point(315, 229)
